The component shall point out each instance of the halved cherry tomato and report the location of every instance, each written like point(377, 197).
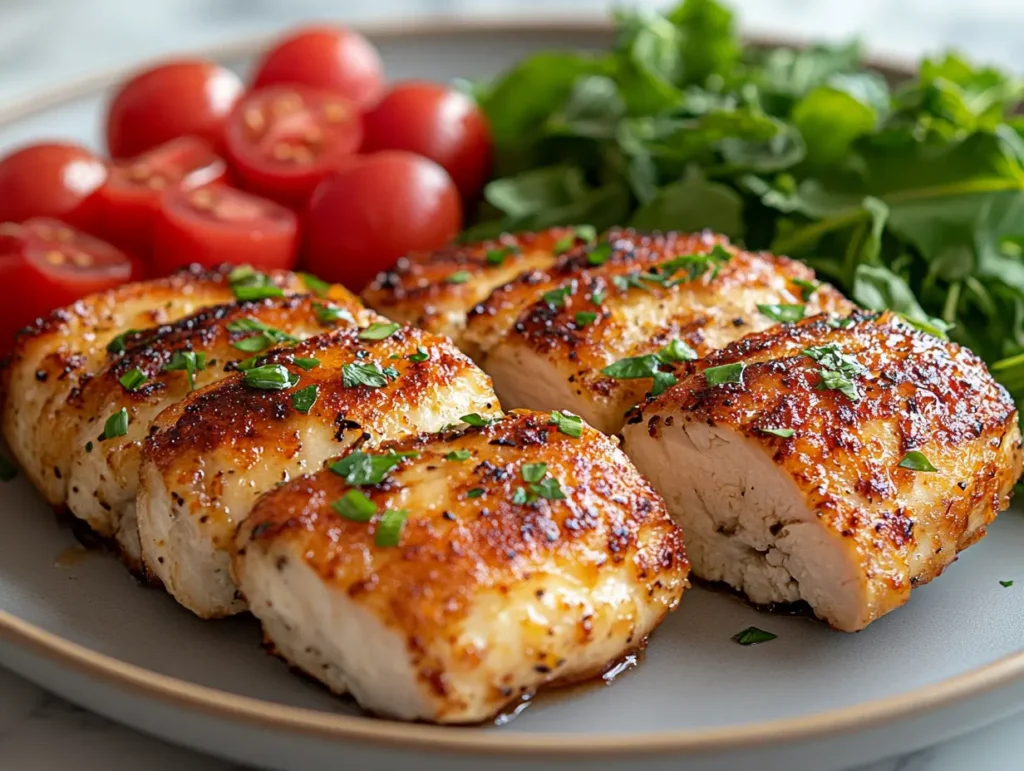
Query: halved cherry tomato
point(46, 264)
point(282, 140)
point(440, 123)
point(217, 224)
point(56, 179)
point(376, 209)
point(333, 58)
point(130, 201)
point(183, 98)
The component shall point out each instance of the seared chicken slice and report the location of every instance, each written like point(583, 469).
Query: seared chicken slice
point(211, 455)
point(679, 297)
point(434, 290)
point(840, 462)
point(50, 362)
point(482, 566)
point(152, 375)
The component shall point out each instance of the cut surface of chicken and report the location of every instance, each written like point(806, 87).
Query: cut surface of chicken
point(49, 363)
point(153, 373)
point(797, 462)
point(211, 455)
point(435, 290)
point(666, 297)
point(527, 557)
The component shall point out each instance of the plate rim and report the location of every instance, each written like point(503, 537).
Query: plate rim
point(258, 713)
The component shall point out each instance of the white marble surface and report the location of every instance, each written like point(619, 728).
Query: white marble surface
point(44, 42)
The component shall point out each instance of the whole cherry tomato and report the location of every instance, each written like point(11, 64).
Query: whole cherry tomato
point(439, 123)
point(333, 58)
point(282, 140)
point(54, 179)
point(376, 209)
point(181, 98)
point(47, 264)
point(216, 224)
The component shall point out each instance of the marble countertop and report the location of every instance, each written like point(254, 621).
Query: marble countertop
point(45, 42)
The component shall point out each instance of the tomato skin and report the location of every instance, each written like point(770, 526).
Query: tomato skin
point(55, 179)
point(215, 224)
point(437, 122)
point(282, 140)
point(129, 202)
point(47, 265)
point(332, 58)
point(376, 209)
point(189, 97)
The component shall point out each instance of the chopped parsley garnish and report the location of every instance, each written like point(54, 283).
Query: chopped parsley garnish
point(306, 363)
point(117, 345)
point(133, 380)
point(571, 425)
point(389, 527)
point(916, 461)
point(379, 330)
point(1006, 584)
point(807, 288)
point(520, 496)
point(476, 492)
point(459, 455)
point(249, 285)
point(586, 233)
point(692, 265)
point(270, 377)
point(752, 636)
point(582, 318)
point(116, 425)
point(247, 364)
point(598, 297)
point(421, 354)
point(549, 489)
point(676, 351)
point(555, 298)
point(355, 506)
point(726, 373)
point(600, 254)
point(649, 365)
point(7, 470)
point(783, 313)
point(534, 472)
point(371, 375)
point(329, 315)
point(837, 369)
point(360, 468)
point(844, 323)
point(539, 483)
point(785, 433)
point(304, 399)
point(458, 277)
point(317, 286)
point(476, 419)
point(188, 361)
point(265, 336)
point(623, 283)
point(498, 256)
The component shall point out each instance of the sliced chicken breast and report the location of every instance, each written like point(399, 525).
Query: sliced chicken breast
point(434, 290)
point(598, 341)
point(478, 567)
point(50, 362)
point(153, 374)
point(838, 462)
point(211, 455)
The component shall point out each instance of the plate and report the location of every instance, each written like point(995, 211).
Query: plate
point(952, 660)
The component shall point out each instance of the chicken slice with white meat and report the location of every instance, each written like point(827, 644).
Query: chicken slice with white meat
point(445, 576)
point(211, 455)
point(839, 462)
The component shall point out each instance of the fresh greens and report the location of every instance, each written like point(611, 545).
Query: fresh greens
point(650, 365)
point(250, 285)
point(906, 196)
point(133, 379)
point(355, 506)
point(379, 330)
point(371, 375)
point(359, 468)
point(389, 528)
point(270, 377)
point(570, 425)
point(188, 362)
point(916, 461)
point(752, 636)
point(725, 373)
point(116, 425)
point(304, 399)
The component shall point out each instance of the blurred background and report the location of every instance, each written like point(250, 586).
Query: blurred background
point(47, 42)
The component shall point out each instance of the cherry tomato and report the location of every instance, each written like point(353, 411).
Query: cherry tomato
point(130, 201)
point(439, 123)
point(282, 140)
point(376, 209)
point(333, 58)
point(182, 98)
point(216, 224)
point(50, 180)
point(46, 264)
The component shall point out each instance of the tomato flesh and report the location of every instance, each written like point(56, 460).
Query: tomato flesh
point(50, 180)
point(46, 264)
point(130, 200)
point(331, 58)
point(376, 209)
point(215, 224)
point(181, 98)
point(282, 140)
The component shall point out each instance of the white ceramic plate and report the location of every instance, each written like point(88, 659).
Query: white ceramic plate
point(950, 661)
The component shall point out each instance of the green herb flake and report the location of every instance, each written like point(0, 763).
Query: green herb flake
point(330, 315)
point(304, 399)
point(585, 233)
point(1006, 584)
point(549, 489)
point(476, 492)
point(8, 470)
point(389, 528)
point(117, 345)
point(555, 298)
point(459, 277)
point(916, 461)
point(600, 254)
point(533, 472)
point(458, 455)
point(88, 446)
point(584, 318)
point(675, 352)
point(421, 354)
point(133, 380)
point(355, 506)
point(726, 373)
point(359, 468)
point(317, 286)
point(305, 363)
point(371, 375)
point(270, 377)
point(250, 285)
point(379, 330)
point(478, 420)
point(188, 362)
point(598, 297)
point(785, 433)
point(570, 425)
point(636, 367)
point(116, 425)
point(783, 313)
point(753, 636)
point(498, 256)
point(520, 496)
point(807, 288)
